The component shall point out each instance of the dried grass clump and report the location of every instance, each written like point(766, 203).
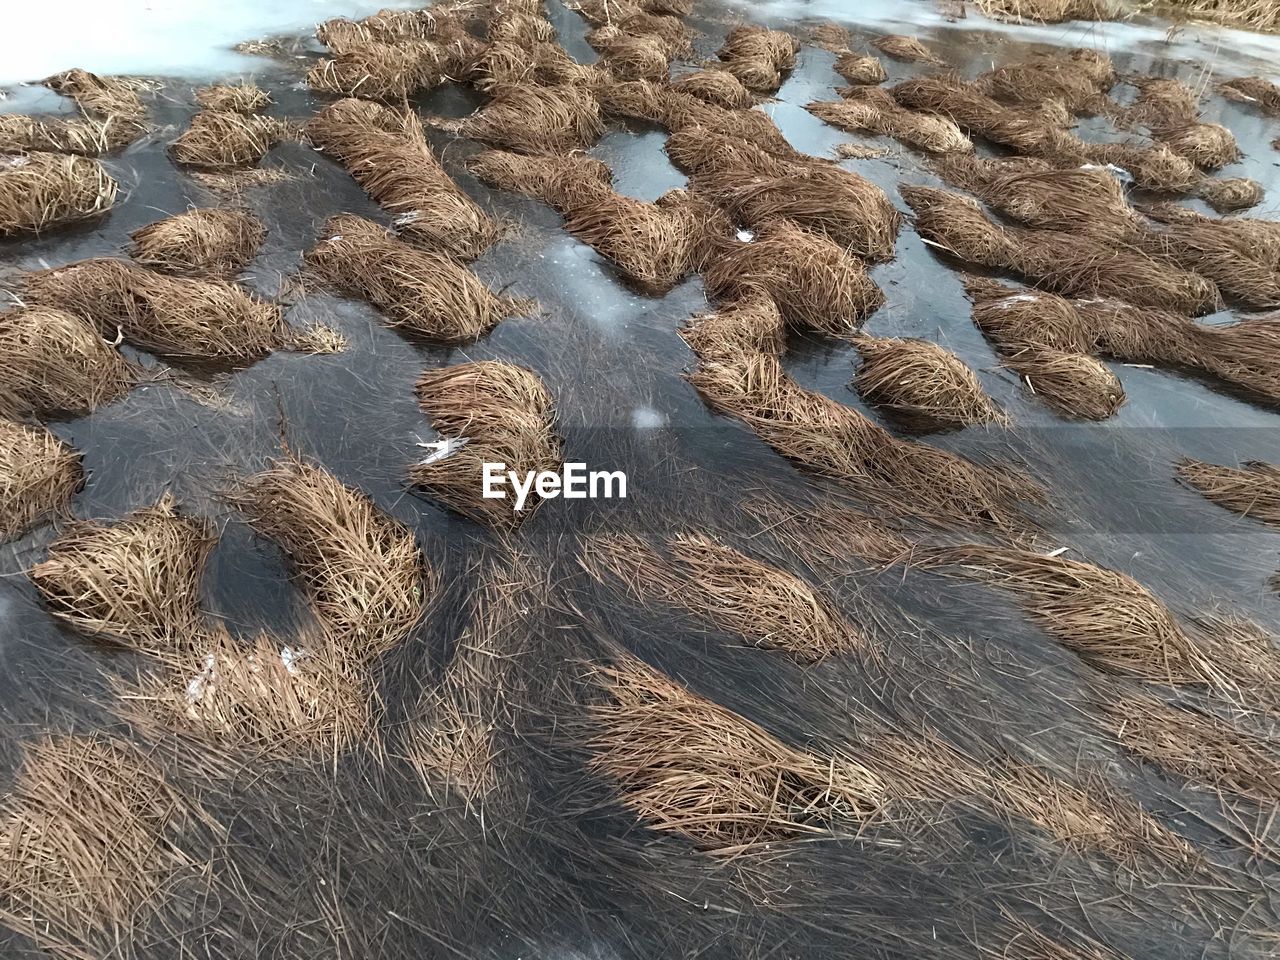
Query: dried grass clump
point(686, 765)
point(1108, 618)
point(815, 283)
point(235, 97)
point(137, 580)
point(1152, 167)
point(1077, 80)
point(1236, 193)
point(204, 242)
point(1197, 747)
point(88, 137)
point(922, 380)
point(377, 70)
point(362, 571)
point(905, 48)
point(635, 56)
point(757, 189)
point(718, 88)
point(220, 140)
point(860, 70)
point(758, 56)
point(505, 63)
point(766, 606)
point(900, 477)
point(43, 190)
point(1251, 490)
point(1074, 384)
point(273, 697)
point(1043, 339)
point(874, 111)
point(100, 96)
point(506, 415)
point(423, 291)
point(653, 245)
point(387, 153)
point(534, 119)
point(1207, 145)
point(38, 476)
point(1255, 90)
point(743, 327)
point(1069, 263)
point(317, 339)
point(1162, 101)
point(525, 29)
point(1049, 11)
point(1241, 259)
point(56, 363)
point(174, 316)
point(92, 845)
point(831, 37)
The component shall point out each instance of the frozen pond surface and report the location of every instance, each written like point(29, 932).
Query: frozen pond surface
point(615, 363)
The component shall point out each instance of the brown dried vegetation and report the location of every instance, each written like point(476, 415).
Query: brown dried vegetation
point(43, 190)
point(204, 242)
point(38, 476)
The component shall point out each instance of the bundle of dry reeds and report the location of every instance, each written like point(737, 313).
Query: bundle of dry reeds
point(815, 283)
point(763, 604)
point(922, 380)
point(174, 316)
point(686, 765)
point(1049, 11)
point(1243, 261)
point(532, 119)
point(1230, 195)
point(653, 245)
point(719, 88)
point(676, 110)
point(1106, 617)
point(749, 325)
point(632, 56)
point(1255, 90)
point(501, 413)
point(43, 190)
point(91, 844)
point(757, 189)
point(362, 571)
point(38, 476)
point(1074, 384)
point(221, 140)
point(136, 581)
point(112, 116)
point(1251, 490)
point(240, 97)
point(56, 363)
point(860, 70)
point(274, 697)
point(423, 291)
point(905, 48)
point(871, 110)
point(520, 27)
point(1198, 747)
point(204, 242)
point(378, 70)
point(1152, 167)
point(1069, 263)
point(758, 56)
point(1077, 79)
point(387, 153)
point(1207, 145)
point(505, 63)
point(900, 477)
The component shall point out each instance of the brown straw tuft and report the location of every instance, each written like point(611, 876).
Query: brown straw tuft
point(1074, 384)
point(719, 88)
point(871, 110)
point(362, 571)
point(235, 97)
point(422, 291)
point(766, 606)
point(1228, 196)
point(1251, 490)
point(684, 764)
point(38, 476)
point(1049, 11)
point(1261, 93)
point(135, 582)
point(57, 364)
point(534, 119)
point(922, 380)
point(221, 140)
point(204, 242)
point(387, 153)
point(860, 70)
point(905, 48)
point(179, 317)
point(43, 190)
point(496, 412)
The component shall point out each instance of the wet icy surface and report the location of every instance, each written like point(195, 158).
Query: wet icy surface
point(615, 362)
